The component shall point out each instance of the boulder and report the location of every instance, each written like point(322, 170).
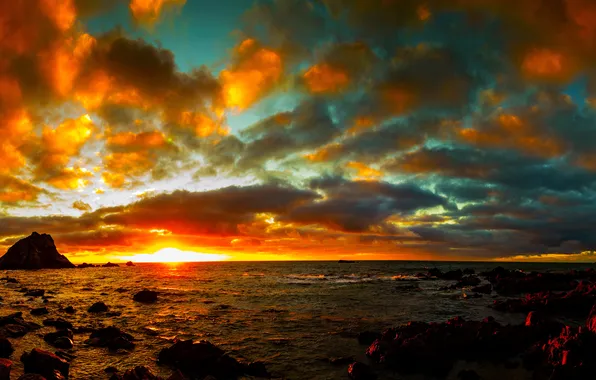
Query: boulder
point(130, 264)
point(60, 339)
point(69, 310)
point(591, 322)
point(46, 364)
point(198, 360)
point(110, 265)
point(145, 296)
point(360, 371)
point(40, 311)
point(98, 307)
point(5, 367)
point(35, 293)
point(111, 337)
point(85, 265)
point(34, 252)
point(5, 348)
point(58, 323)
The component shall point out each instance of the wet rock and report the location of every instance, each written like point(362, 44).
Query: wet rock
point(112, 338)
point(367, 337)
point(5, 367)
point(130, 264)
point(201, 359)
point(5, 348)
point(111, 369)
point(58, 323)
point(98, 307)
point(507, 282)
point(468, 374)
point(14, 331)
point(110, 265)
point(46, 364)
point(35, 293)
point(360, 371)
point(40, 311)
point(138, 373)
point(591, 322)
point(146, 296)
point(34, 252)
point(11, 280)
point(484, 289)
point(69, 310)
point(56, 339)
point(256, 369)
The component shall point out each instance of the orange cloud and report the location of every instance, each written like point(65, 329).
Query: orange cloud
point(149, 11)
point(361, 124)
point(363, 171)
point(16, 128)
point(137, 141)
point(548, 64)
point(325, 79)
point(81, 206)
point(13, 190)
point(254, 72)
point(202, 124)
point(70, 178)
point(326, 153)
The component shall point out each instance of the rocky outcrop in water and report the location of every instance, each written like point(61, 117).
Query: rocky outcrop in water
point(34, 252)
point(111, 337)
point(146, 296)
point(46, 364)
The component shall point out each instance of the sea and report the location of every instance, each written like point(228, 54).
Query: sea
point(294, 316)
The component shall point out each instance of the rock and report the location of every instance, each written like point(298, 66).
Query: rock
point(46, 364)
point(11, 280)
point(146, 296)
point(85, 265)
point(65, 355)
point(198, 360)
point(5, 348)
point(110, 265)
point(256, 369)
point(484, 289)
point(55, 338)
point(112, 338)
point(34, 252)
point(138, 373)
point(59, 323)
point(111, 369)
point(5, 367)
point(360, 371)
point(468, 374)
point(15, 331)
point(367, 337)
point(98, 307)
point(69, 310)
point(35, 293)
point(40, 311)
point(591, 322)
point(130, 264)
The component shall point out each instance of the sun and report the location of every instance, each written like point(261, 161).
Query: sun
point(175, 255)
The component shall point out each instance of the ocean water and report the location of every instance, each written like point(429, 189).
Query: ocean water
point(292, 315)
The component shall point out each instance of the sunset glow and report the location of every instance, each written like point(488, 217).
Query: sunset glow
point(174, 255)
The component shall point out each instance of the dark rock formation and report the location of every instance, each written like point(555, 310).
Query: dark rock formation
point(34, 252)
point(85, 265)
point(40, 311)
point(130, 264)
point(69, 310)
point(367, 337)
point(60, 338)
point(58, 323)
point(145, 296)
point(112, 338)
point(35, 293)
point(110, 265)
point(5, 367)
point(98, 307)
point(202, 359)
point(46, 364)
point(360, 371)
point(508, 282)
point(13, 325)
point(5, 348)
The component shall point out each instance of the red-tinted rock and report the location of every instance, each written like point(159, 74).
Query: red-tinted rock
point(5, 348)
point(46, 364)
point(360, 371)
point(5, 367)
point(146, 296)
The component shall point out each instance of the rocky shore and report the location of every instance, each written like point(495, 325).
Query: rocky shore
point(543, 347)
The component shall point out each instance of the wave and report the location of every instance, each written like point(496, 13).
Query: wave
point(344, 278)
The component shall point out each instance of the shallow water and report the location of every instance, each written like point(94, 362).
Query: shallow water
point(292, 315)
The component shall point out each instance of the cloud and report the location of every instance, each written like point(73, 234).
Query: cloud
point(81, 206)
point(148, 12)
point(14, 190)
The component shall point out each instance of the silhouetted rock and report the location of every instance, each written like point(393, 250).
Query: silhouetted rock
point(98, 307)
point(201, 359)
point(346, 261)
point(591, 322)
point(35, 293)
point(85, 265)
point(57, 340)
point(130, 264)
point(367, 337)
point(111, 369)
point(5, 348)
point(34, 252)
point(10, 280)
point(69, 310)
point(146, 296)
point(46, 364)
point(14, 326)
point(110, 265)
point(360, 371)
point(59, 323)
point(5, 367)
point(112, 338)
point(39, 311)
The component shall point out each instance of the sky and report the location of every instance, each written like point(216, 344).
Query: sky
point(300, 129)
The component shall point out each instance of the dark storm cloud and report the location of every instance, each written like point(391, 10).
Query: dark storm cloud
point(358, 206)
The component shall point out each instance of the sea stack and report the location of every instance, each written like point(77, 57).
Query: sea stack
point(37, 251)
